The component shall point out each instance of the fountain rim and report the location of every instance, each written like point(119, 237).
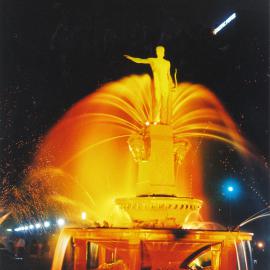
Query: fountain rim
point(159, 197)
point(155, 234)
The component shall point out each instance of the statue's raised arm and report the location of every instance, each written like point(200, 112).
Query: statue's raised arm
point(138, 60)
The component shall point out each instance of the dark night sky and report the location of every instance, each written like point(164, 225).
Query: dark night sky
point(53, 53)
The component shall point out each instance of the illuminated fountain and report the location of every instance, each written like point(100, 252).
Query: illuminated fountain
point(147, 197)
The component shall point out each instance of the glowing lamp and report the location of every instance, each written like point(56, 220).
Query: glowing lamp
point(47, 224)
point(60, 222)
point(260, 245)
point(83, 215)
point(231, 188)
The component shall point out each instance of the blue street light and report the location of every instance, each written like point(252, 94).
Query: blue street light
point(231, 191)
point(231, 188)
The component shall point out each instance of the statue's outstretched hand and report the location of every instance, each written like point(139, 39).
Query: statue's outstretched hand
point(128, 57)
point(137, 60)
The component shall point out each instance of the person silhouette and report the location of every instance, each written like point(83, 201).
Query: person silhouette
point(163, 82)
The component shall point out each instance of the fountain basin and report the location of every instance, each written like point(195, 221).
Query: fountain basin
point(156, 249)
point(160, 211)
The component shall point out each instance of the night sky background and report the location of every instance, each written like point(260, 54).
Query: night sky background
point(54, 53)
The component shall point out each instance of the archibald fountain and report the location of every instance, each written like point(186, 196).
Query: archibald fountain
point(163, 123)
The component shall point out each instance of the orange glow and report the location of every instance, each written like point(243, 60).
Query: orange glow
point(85, 157)
point(260, 245)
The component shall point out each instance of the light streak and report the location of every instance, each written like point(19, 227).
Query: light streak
point(227, 21)
point(60, 222)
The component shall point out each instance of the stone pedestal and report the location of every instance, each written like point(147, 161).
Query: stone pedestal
point(156, 173)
